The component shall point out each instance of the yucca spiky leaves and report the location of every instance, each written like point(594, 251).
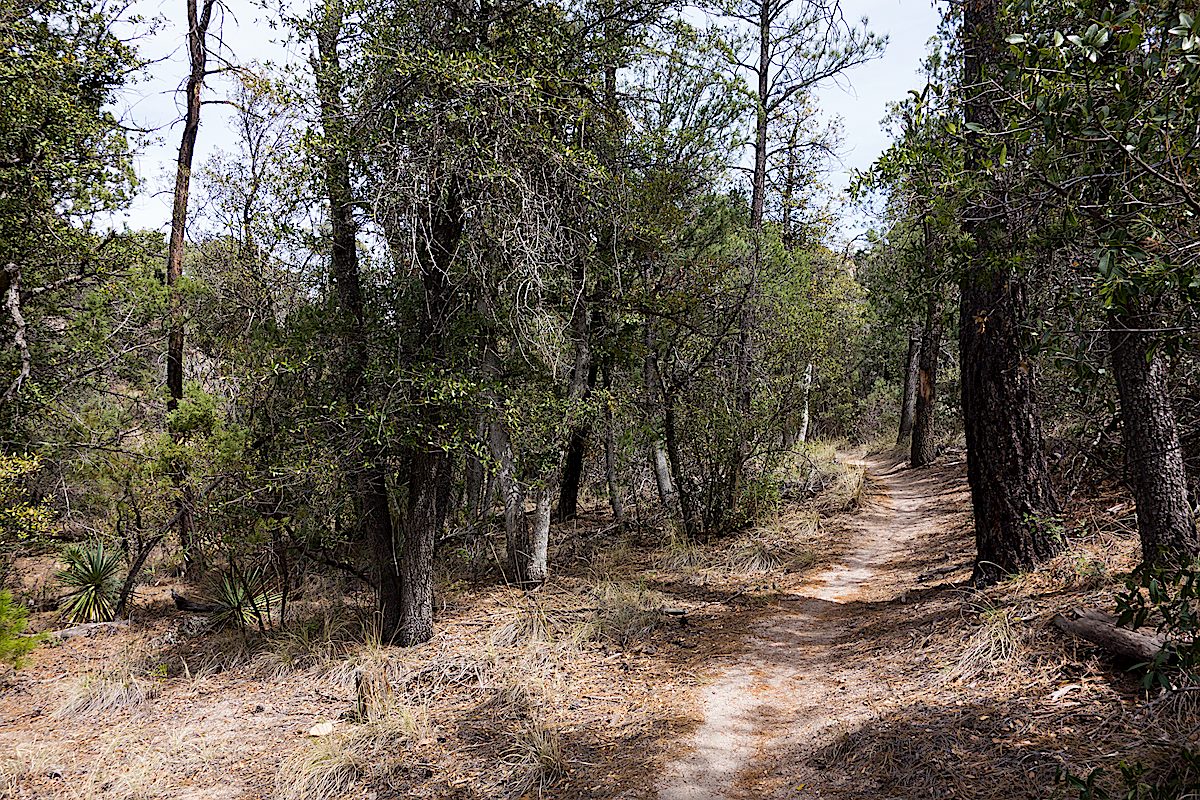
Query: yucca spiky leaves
point(93, 576)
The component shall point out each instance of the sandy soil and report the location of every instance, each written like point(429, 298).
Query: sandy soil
point(797, 684)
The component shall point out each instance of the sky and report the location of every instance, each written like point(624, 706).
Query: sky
point(860, 98)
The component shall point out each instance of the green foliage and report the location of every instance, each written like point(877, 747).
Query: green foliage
point(21, 520)
point(92, 573)
point(1167, 598)
point(14, 645)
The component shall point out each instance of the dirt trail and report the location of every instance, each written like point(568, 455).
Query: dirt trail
point(796, 685)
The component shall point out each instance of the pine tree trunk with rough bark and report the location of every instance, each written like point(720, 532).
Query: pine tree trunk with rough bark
point(1011, 494)
point(1152, 448)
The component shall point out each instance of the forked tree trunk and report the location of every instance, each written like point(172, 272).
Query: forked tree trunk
point(526, 541)
point(1165, 522)
point(526, 545)
point(923, 450)
point(908, 402)
point(1014, 504)
point(198, 19)
point(659, 457)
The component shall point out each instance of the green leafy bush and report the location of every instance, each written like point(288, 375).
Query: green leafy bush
point(13, 619)
point(93, 574)
point(1169, 600)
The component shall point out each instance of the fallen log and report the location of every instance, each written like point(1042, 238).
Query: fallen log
point(89, 629)
point(1121, 643)
point(191, 606)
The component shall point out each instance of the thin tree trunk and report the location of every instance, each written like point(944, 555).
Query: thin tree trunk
point(683, 496)
point(1165, 522)
point(1014, 503)
point(526, 544)
point(616, 498)
point(659, 459)
point(923, 451)
point(369, 459)
point(805, 414)
point(198, 18)
point(583, 381)
point(908, 403)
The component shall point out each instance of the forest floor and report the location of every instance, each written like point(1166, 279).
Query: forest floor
point(836, 652)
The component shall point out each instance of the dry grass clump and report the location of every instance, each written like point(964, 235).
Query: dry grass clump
point(125, 685)
point(103, 692)
point(530, 622)
point(314, 643)
point(535, 760)
point(375, 749)
point(624, 612)
point(992, 646)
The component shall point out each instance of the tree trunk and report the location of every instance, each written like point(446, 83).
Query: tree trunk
point(659, 459)
point(572, 474)
point(583, 381)
point(369, 459)
point(198, 19)
point(429, 474)
point(805, 416)
point(1165, 522)
point(908, 403)
point(616, 498)
point(428, 486)
point(525, 546)
point(692, 527)
point(922, 451)
point(1014, 503)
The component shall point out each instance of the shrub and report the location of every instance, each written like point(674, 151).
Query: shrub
point(93, 574)
point(1169, 600)
point(14, 646)
point(245, 601)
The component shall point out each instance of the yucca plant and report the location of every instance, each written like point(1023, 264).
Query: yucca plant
point(244, 600)
point(93, 575)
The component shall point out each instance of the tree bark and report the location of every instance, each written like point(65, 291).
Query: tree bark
point(1013, 500)
point(583, 381)
point(1165, 522)
point(198, 18)
point(908, 402)
point(922, 450)
point(428, 476)
point(428, 482)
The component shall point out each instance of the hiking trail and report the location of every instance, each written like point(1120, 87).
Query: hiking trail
point(798, 682)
